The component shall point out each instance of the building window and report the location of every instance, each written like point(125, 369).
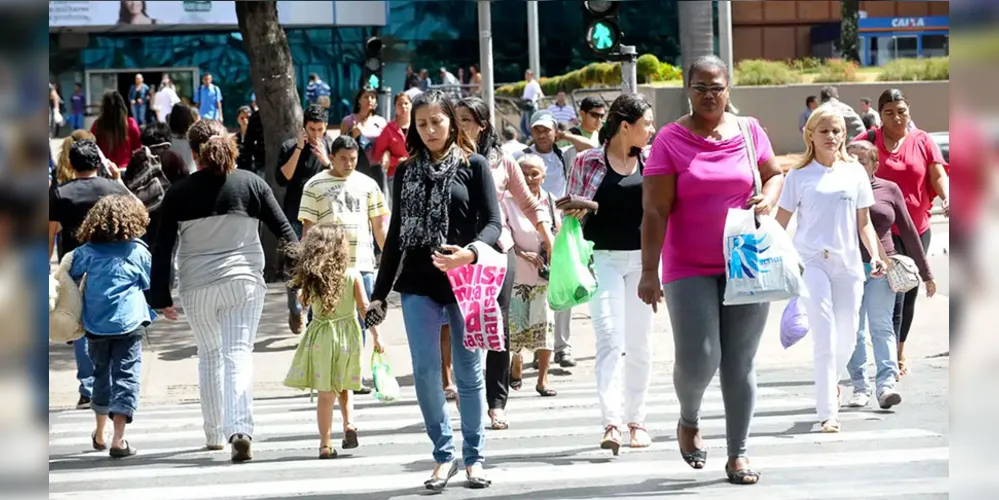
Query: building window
point(936, 45)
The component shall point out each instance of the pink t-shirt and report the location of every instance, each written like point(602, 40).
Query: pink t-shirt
point(711, 177)
point(909, 168)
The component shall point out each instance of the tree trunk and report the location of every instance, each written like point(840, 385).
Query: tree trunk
point(273, 77)
point(849, 41)
point(697, 32)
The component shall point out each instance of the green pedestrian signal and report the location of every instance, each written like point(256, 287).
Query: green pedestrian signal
point(373, 81)
point(603, 36)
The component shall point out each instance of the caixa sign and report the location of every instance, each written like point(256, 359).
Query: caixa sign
point(908, 22)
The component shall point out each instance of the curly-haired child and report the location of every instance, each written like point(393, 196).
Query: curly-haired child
point(328, 359)
point(116, 264)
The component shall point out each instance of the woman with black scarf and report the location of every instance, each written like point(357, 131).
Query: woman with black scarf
point(444, 199)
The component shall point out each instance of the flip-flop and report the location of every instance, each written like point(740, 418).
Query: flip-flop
point(499, 423)
point(327, 455)
point(97, 446)
point(516, 383)
point(439, 483)
point(127, 451)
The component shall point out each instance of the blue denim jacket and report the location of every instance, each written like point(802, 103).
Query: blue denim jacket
point(117, 273)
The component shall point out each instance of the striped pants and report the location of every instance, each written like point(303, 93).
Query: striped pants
point(224, 317)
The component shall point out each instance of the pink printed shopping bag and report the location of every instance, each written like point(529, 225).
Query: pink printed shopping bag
point(477, 287)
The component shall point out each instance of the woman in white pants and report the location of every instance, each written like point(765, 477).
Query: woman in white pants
point(215, 212)
point(831, 193)
point(610, 177)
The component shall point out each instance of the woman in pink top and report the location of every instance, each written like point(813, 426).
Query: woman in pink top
point(699, 169)
point(908, 157)
point(532, 320)
point(473, 118)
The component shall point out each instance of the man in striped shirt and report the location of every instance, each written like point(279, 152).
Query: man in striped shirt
point(563, 111)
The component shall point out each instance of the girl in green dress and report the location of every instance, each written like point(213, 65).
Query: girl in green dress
point(328, 359)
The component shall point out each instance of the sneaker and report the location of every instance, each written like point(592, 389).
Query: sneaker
point(889, 398)
point(564, 359)
point(295, 322)
point(859, 400)
point(83, 403)
point(241, 451)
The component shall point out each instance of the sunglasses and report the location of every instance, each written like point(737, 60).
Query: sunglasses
point(597, 116)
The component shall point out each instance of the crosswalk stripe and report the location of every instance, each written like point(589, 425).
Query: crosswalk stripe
point(124, 474)
point(519, 475)
point(527, 398)
point(512, 433)
point(370, 420)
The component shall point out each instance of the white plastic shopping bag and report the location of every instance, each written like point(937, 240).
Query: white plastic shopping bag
point(761, 264)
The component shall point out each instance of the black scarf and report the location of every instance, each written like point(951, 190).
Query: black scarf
point(426, 199)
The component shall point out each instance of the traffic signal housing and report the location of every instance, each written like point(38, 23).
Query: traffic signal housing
point(372, 73)
point(603, 34)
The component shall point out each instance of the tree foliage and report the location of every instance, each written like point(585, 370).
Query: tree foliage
point(849, 37)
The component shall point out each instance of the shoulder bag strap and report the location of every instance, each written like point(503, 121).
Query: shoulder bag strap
point(747, 137)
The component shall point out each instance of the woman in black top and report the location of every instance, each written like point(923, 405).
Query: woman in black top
point(612, 175)
point(444, 200)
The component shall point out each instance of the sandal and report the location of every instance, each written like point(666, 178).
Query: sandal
point(831, 426)
point(349, 438)
point(438, 483)
point(637, 440)
point(611, 440)
point(498, 423)
point(327, 452)
point(516, 383)
point(127, 451)
point(546, 392)
point(696, 459)
point(97, 446)
point(742, 476)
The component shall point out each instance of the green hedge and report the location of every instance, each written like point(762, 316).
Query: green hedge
point(837, 70)
point(907, 70)
point(600, 74)
point(757, 72)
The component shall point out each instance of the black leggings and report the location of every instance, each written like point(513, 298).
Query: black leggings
point(498, 362)
point(905, 303)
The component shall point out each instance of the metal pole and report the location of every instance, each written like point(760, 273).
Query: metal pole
point(486, 57)
point(385, 107)
point(725, 32)
point(533, 39)
point(629, 69)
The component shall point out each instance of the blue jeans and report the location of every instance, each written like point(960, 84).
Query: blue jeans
point(117, 370)
point(84, 367)
point(877, 308)
point(368, 278)
point(139, 113)
point(422, 317)
point(75, 121)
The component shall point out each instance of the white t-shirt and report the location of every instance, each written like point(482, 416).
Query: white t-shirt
point(556, 182)
point(532, 91)
point(165, 99)
point(826, 201)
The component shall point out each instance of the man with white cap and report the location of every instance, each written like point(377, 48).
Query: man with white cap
point(558, 161)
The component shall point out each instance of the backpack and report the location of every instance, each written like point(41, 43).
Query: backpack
point(558, 154)
point(144, 177)
point(65, 304)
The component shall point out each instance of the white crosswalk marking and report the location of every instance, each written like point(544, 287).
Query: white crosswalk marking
point(549, 452)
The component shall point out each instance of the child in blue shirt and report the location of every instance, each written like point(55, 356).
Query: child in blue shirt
point(116, 264)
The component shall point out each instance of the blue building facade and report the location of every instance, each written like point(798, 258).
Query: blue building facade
point(883, 39)
point(423, 34)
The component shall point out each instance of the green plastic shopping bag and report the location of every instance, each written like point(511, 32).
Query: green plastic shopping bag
point(386, 386)
point(572, 280)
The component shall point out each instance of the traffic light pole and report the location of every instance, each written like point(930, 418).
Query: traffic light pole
point(385, 107)
point(629, 69)
point(486, 58)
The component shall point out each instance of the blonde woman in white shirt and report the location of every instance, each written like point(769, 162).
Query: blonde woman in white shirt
point(831, 193)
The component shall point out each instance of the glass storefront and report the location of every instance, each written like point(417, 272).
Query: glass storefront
point(886, 39)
